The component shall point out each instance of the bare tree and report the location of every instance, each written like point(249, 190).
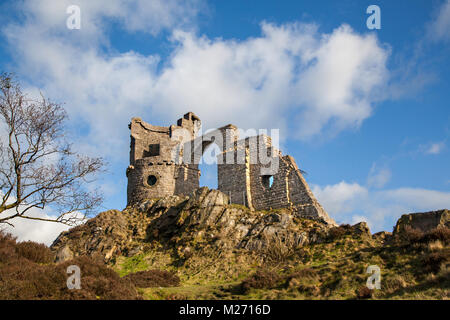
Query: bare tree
point(37, 166)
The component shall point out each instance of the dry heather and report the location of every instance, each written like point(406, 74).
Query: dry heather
point(27, 271)
point(174, 248)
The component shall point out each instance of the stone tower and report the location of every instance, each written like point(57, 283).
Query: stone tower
point(153, 171)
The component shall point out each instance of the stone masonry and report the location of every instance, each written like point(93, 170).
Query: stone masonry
point(164, 161)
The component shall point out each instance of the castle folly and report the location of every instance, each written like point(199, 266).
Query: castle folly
point(164, 161)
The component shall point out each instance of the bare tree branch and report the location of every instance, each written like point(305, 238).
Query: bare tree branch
point(37, 166)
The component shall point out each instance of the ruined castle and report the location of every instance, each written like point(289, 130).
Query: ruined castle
point(164, 161)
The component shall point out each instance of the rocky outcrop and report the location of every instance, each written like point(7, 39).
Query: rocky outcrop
point(362, 228)
point(187, 223)
point(424, 221)
point(382, 236)
point(110, 233)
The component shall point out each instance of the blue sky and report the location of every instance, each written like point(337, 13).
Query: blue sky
point(364, 112)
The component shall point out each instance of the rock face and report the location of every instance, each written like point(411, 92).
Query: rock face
point(187, 223)
point(361, 228)
point(111, 232)
point(424, 221)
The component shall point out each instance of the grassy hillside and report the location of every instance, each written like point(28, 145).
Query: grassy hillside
point(200, 247)
point(412, 267)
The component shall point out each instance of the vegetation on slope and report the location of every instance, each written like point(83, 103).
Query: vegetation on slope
point(414, 266)
point(27, 271)
point(200, 247)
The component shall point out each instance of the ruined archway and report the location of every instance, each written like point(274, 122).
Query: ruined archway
point(208, 166)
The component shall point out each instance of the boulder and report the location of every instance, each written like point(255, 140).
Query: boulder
point(382, 235)
point(110, 233)
point(361, 229)
point(64, 254)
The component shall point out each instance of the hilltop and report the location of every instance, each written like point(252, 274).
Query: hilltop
point(225, 251)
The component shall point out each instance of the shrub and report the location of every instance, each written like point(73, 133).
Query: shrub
point(176, 296)
point(101, 281)
point(153, 278)
point(309, 289)
point(7, 250)
point(435, 245)
point(28, 281)
point(394, 283)
point(298, 275)
point(261, 279)
point(277, 249)
point(432, 262)
point(437, 234)
point(10, 250)
point(338, 232)
point(364, 293)
point(36, 252)
point(21, 277)
point(306, 272)
point(410, 236)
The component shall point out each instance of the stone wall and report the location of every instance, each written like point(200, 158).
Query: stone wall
point(232, 182)
point(186, 179)
point(282, 186)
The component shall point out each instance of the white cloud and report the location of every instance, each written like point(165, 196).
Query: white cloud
point(422, 199)
point(291, 76)
point(326, 80)
point(148, 16)
point(351, 203)
point(32, 230)
point(102, 89)
point(435, 148)
point(378, 177)
point(323, 79)
point(340, 86)
point(432, 148)
point(338, 198)
point(439, 29)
